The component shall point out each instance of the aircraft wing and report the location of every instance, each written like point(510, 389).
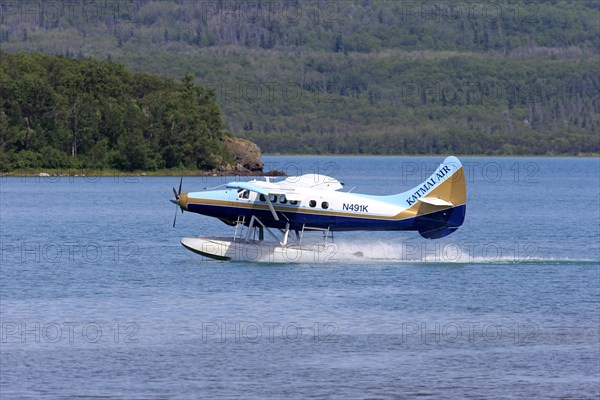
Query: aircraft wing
point(248, 186)
point(290, 193)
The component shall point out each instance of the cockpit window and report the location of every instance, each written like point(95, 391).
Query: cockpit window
point(282, 199)
point(243, 194)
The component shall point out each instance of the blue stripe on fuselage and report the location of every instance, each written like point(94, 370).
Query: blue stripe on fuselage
point(298, 218)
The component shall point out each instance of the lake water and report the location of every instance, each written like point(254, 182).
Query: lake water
point(99, 299)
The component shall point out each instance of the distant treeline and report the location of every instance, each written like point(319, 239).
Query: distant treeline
point(372, 76)
point(364, 26)
point(458, 104)
point(61, 113)
point(395, 102)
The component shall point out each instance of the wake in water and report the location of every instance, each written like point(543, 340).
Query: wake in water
point(436, 252)
point(359, 251)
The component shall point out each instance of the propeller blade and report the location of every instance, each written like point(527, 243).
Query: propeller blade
point(176, 201)
point(175, 219)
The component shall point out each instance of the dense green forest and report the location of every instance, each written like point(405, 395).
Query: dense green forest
point(60, 113)
point(369, 76)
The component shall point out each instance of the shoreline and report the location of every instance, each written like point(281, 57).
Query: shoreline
point(76, 173)
point(582, 155)
point(73, 172)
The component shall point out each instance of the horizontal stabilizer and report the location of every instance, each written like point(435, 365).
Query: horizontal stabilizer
point(436, 201)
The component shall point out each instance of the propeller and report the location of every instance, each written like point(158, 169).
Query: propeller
point(176, 201)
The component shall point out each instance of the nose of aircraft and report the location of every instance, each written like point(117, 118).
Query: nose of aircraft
point(183, 201)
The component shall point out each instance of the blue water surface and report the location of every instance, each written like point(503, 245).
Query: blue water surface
point(99, 300)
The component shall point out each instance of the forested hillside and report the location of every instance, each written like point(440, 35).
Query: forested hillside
point(508, 77)
point(60, 113)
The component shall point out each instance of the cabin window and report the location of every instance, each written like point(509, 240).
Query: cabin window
point(243, 194)
point(282, 199)
point(312, 203)
point(262, 197)
point(325, 205)
point(273, 198)
point(294, 202)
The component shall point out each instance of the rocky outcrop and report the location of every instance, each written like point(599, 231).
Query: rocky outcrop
point(247, 155)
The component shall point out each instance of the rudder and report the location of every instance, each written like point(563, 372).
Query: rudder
point(442, 210)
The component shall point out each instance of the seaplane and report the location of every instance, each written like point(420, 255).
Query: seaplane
point(277, 221)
